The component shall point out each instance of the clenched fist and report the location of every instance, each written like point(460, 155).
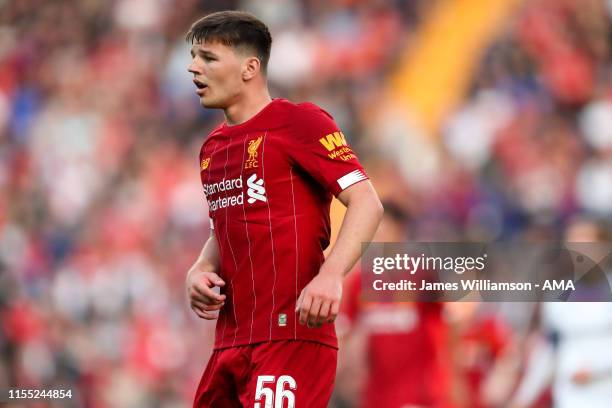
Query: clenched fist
point(202, 298)
point(319, 301)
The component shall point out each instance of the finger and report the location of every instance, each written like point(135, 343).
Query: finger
point(207, 294)
point(314, 312)
point(193, 294)
point(299, 301)
point(205, 307)
point(198, 296)
point(203, 314)
point(335, 309)
point(216, 280)
point(305, 308)
point(323, 313)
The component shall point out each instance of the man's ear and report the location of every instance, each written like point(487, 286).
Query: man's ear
point(251, 68)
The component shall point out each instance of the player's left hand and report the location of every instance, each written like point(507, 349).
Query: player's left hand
point(319, 301)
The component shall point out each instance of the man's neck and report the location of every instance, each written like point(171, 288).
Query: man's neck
point(246, 108)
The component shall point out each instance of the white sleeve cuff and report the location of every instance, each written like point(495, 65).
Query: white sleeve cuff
point(351, 178)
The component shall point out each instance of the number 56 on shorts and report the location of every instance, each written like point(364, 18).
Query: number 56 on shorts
point(275, 391)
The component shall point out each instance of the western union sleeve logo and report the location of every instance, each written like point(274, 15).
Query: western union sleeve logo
point(333, 140)
point(336, 145)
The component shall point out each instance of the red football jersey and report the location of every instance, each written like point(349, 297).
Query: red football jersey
point(269, 183)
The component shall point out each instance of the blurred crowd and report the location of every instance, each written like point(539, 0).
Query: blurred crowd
point(102, 213)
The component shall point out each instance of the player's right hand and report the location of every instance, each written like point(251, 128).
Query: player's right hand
point(202, 298)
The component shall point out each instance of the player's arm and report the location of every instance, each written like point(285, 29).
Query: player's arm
point(202, 278)
point(319, 301)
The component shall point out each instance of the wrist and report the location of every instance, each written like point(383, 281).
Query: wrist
point(201, 266)
point(331, 270)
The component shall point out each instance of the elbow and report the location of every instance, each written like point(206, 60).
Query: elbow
point(375, 207)
point(378, 209)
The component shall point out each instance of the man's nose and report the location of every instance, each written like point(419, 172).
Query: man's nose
point(193, 68)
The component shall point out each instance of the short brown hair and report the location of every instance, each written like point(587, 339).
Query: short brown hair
point(234, 29)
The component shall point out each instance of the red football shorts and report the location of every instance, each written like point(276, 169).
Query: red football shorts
point(279, 374)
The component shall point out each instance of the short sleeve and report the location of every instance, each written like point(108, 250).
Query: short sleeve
point(320, 148)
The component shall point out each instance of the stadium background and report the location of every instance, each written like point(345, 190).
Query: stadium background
point(482, 119)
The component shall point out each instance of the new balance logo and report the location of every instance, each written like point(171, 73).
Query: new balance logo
point(256, 190)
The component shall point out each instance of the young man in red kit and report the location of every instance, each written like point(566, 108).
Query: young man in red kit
point(269, 173)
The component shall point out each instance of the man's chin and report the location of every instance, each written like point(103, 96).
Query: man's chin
point(208, 104)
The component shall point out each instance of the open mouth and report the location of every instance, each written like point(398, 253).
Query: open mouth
point(201, 86)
